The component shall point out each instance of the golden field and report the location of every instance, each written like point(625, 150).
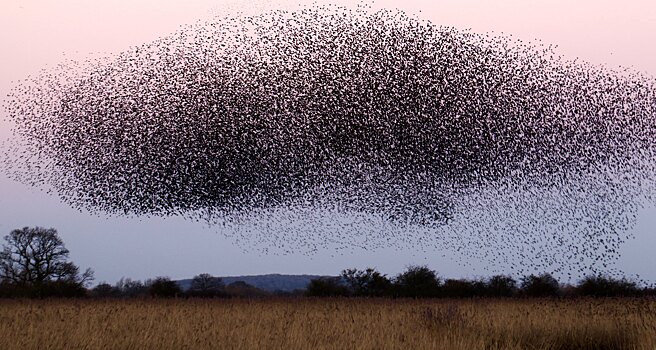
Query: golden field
point(328, 324)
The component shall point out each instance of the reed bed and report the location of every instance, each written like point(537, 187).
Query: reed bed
point(328, 324)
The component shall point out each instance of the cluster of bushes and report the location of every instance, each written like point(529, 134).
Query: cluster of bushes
point(202, 286)
point(44, 289)
point(422, 282)
point(160, 287)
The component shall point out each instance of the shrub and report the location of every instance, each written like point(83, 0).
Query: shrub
point(206, 286)
point(543, 285)
point(604, 286)
point(163, 287)
point(501, 286)
point(105, 290)
point(369, 282)
point(131, 288)
point(417, 282)
point(327, 287)
point(245, 290)
point(453, 288)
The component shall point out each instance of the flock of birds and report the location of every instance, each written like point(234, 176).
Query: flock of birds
point(330, 127)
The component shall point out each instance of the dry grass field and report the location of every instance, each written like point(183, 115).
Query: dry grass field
point(328, 324)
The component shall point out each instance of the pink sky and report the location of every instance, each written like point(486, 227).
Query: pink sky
point(36, 33)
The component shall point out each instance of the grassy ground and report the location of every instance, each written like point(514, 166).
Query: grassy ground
point(328, 324)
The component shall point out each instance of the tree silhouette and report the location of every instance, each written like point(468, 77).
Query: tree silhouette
point(36, 259)
point(327, 287)
point(128, 287)
point(367, 282)
point(501, 286)
point(418, 282)
point(163, 287)
point(105, 290)
point(206, 285)
point(606, 286)
point(462, 288)
point(544, 285)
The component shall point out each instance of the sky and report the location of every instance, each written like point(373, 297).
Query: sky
point(35, 34)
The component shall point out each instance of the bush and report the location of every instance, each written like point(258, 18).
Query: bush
point(453, 288)
point(48, 289)
point(604, 286)
point(649, 291)
point(543, 285)
point(327, 287)
point(105, 290)
point(206, 286)
point(417, 282)
point(244, 290)
point(163, 287)
point(131, 288)
point(368, 283)
point(501, 286)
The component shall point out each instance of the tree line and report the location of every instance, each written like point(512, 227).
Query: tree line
point(422, 282)
point(34, 263)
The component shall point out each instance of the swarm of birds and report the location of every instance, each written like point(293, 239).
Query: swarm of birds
point(350, 128)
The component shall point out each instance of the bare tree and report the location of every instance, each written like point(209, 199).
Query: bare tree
point(34, 256)
point(206, 285)
point(131, 288)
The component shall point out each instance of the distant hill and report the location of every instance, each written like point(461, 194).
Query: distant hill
point(269, 283)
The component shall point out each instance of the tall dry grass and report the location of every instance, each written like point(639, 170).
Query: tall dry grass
point(328, 324)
